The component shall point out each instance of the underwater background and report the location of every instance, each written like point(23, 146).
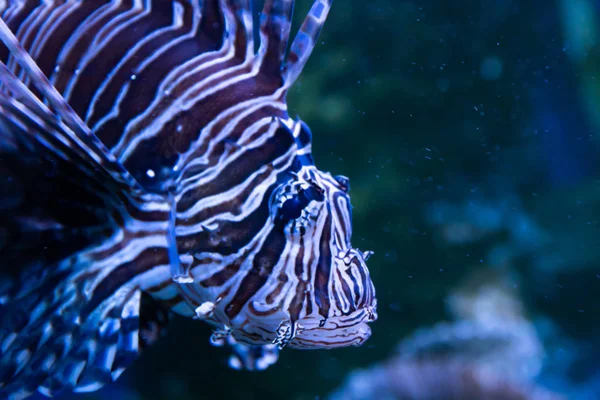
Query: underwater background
point(470, 131)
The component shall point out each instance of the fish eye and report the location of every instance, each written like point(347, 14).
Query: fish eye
point(294, 203)
point(291, 209)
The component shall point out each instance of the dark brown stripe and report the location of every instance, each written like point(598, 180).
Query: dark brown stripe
point(124, 273)
point(221, 277)
point(232, 205)
point(347, 293)
point(229, 145)
point(282, 279)
point(142, 91)
point(145, 86)
point(240, 169)
point(70, 63)
point(298, 300)
point(164, 148)
point(323, 271)
point(262, 267)
point(231, 235)
point(94, 73)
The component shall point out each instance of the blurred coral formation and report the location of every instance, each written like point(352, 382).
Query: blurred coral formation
point(490, 351)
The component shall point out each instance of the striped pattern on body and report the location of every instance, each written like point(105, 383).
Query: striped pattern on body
point(176, 130)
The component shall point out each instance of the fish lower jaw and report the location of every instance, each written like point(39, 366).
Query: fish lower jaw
point(321, 338)
point(335, 332)
point(312, 332)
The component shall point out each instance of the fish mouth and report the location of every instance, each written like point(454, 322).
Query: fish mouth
point(335, 332)
point(352, 329)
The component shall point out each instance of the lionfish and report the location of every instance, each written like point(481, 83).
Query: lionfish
point(148, 164)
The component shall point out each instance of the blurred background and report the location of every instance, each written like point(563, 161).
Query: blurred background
point(470, 131)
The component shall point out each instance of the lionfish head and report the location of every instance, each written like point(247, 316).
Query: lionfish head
point(264, 234)
point(301, 284)
point(329, 297)
point(284, 271)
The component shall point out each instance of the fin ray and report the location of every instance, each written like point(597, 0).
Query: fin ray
point(63, 110)
point(69, 199)
point(305, 41)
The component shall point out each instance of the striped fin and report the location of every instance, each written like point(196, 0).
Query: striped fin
point(305, 41)
point(77, 235)
point(57, 195)
point(78, 132)
point(65, 350)
point(52, 155)
point(48, 339)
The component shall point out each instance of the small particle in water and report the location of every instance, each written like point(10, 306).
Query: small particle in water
point(150, 173)
point(179, 128)
point(133, 77)
point(57, 69)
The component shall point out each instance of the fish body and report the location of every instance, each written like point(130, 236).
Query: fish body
point(148, 164)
